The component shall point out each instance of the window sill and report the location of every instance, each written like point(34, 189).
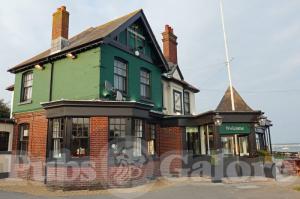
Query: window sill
point(155, 157)
point(25, 102)
point(70, 163)
point(5, 152)
point(148, 100)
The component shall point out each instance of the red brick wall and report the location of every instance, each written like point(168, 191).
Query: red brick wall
point(171, 145)
point(96, 172)
point(38, 125)
point(93, 174)
point(170, 45)
point(99, 147)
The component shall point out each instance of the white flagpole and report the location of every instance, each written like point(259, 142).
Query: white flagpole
point(227, 57)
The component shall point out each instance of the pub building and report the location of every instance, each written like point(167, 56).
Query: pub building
point(111, 95)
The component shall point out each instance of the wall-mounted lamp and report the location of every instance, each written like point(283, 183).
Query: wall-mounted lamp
point(39, 67)
point(218, 119)
point(71, 55)
point(137, 53)
point(262, 120)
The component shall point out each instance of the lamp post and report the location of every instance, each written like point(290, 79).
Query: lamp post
point(265, 124)
point(217, 156)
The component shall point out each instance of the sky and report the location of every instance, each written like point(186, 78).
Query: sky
point(263, 37)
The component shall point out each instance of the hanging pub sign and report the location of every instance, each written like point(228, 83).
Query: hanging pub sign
point(234, 128)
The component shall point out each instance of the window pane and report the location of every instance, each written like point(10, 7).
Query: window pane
point(151, 150)
point(84, 147)
point(228, 145)
point(75, 147)
point(137, 147)
point(177, 102)
point(23, 139)
point(145, 83)
point(203, 140)
point(120, 75)
point(243, 145)
point(4, 140)
point(57, 137)
point(80, 139)
point(186, 100)
point(27, 86)
point(57, 148)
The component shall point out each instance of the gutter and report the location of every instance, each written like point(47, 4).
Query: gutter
point(56, 56)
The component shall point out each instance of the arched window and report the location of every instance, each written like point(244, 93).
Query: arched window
point(4, 140)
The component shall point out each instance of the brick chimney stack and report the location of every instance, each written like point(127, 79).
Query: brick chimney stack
point(170, 44)
point(60, 29)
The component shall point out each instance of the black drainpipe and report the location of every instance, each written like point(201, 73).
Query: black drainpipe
point(51, 81)
point(50, 99)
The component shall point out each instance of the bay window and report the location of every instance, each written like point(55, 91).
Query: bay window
point(69, 134)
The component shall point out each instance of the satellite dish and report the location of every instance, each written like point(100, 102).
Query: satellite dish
point(119, 96)
point(108, 86)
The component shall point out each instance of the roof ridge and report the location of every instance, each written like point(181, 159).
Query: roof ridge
point(118, 18)
point(90, 34)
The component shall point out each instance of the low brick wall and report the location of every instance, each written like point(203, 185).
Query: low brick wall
point(86, 177)
point(291, 167)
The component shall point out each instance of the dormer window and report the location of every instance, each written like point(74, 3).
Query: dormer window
point(26, 86)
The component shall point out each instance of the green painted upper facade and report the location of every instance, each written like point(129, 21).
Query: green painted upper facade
point(84, 77)
point(135, 65)
point(73, 79)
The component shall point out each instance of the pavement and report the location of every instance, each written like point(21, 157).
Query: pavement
point(165, 189)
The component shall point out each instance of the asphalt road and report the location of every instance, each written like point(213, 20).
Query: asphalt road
point(190, 190)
